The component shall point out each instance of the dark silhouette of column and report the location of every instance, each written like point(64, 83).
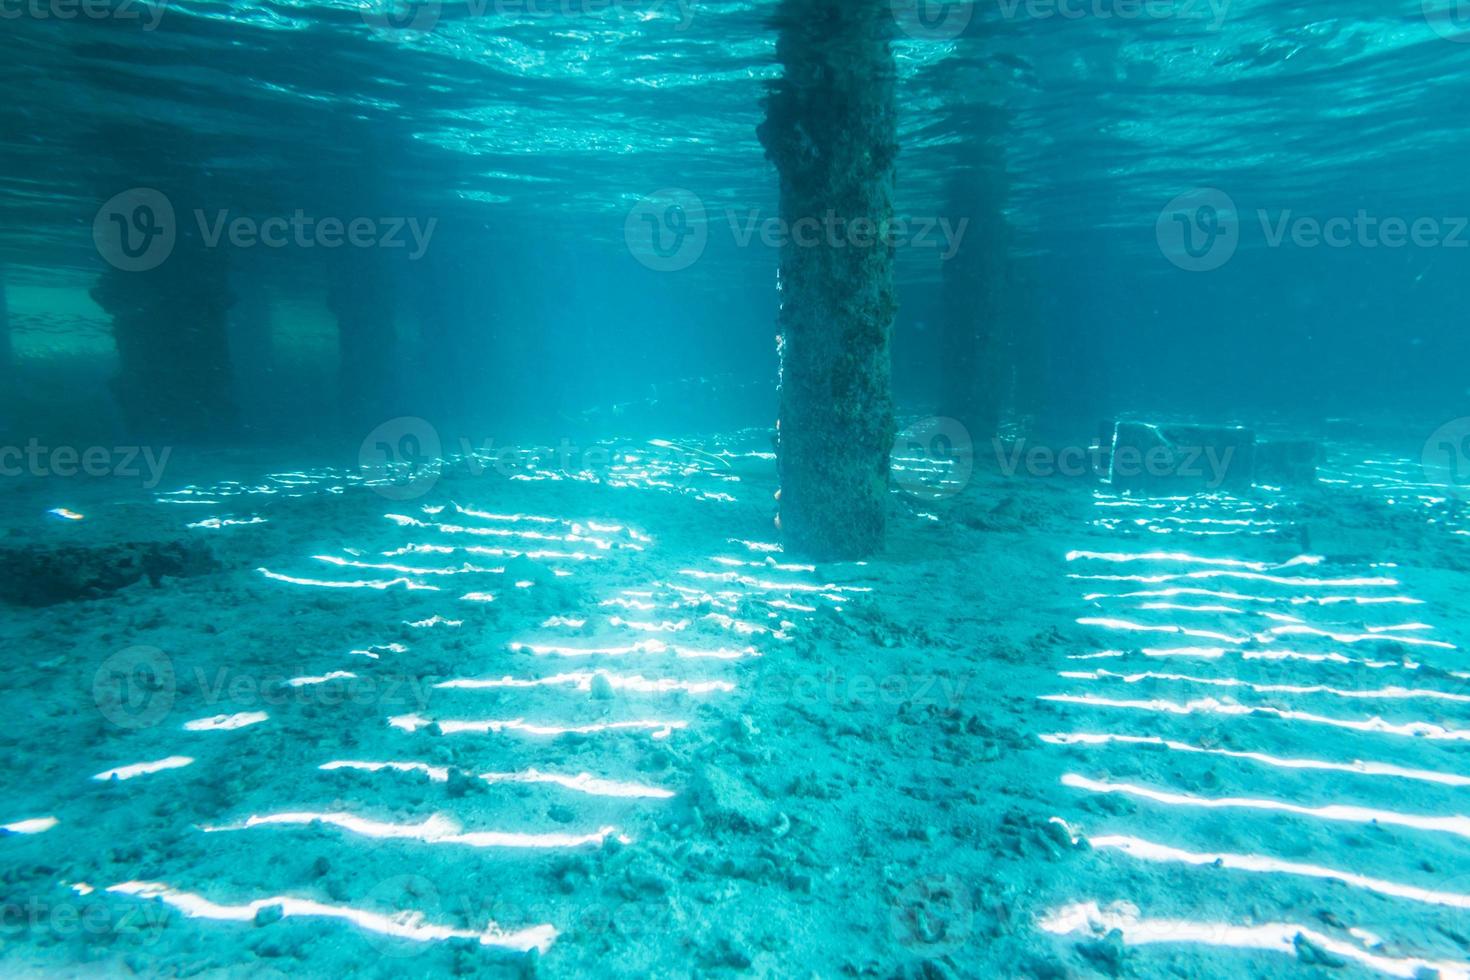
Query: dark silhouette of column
point(361, 296)
point(170, 326)
point(7, 362)
point(831, 131)
point(974, 346)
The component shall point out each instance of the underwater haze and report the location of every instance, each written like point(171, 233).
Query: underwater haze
point(734, 488)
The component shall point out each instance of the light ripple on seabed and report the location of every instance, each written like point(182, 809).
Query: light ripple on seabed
point(648, 640)
point(1273, 650)
point(699, 609)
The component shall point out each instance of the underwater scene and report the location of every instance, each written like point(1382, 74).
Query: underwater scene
point(813, 489)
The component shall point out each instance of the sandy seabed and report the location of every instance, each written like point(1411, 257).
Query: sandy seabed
point(533, 722)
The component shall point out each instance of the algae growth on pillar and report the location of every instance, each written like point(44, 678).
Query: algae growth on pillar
point(831, 131)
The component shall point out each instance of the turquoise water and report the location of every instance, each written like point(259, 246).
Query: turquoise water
point(400, 556)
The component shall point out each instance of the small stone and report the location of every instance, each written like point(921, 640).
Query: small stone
point(1310, 954)
point(725, 796)
point(1106, 954)
point(269, 915)
point(461, 784)
point(602, 689)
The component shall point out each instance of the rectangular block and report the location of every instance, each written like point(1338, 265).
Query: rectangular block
point(1163, 460)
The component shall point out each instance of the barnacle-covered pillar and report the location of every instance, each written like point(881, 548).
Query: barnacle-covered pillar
point(831, 131)
point(170, 326)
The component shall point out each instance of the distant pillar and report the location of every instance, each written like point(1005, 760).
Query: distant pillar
point(362, 298)
point(831, 131)
point(975, 357)
point(170, 325)
point(1027, 339)
point(7, 363)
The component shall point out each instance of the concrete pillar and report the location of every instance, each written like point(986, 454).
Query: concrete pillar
point(7, 359)
point(975, 348)
point(170, 325)
point(362, 297)
point(831, 131)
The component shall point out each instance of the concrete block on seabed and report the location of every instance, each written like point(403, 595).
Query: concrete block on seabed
point(1181, 459)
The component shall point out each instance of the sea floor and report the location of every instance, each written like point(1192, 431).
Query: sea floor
point(514, 720)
